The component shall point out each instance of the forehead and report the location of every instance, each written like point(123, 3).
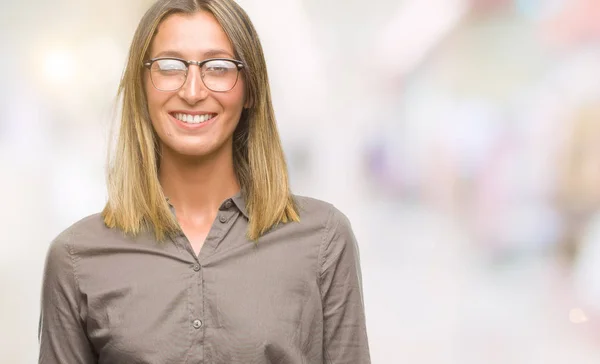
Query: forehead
point(191, 36)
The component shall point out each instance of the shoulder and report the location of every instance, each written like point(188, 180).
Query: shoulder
point(86, 227)
point(338, 245)
point(61, 256)
point(321, 212)
point(76, 237)
point(308, 206)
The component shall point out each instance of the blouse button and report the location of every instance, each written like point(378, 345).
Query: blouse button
point(197, 324)
point(222, 219)
point(196, 267)
point(227, 204)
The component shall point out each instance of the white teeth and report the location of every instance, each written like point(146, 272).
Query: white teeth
point(193, 119)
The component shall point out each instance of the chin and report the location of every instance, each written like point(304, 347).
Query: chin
point(194, 146)
point(194, 151)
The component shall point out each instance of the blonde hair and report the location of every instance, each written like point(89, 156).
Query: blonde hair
point(135, 197)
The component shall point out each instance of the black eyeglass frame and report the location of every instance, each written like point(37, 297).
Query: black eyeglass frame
point(239, 66)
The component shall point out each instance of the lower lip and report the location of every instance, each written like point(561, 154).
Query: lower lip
point(190, 126)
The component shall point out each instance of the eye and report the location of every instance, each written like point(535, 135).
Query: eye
point(169, 66)
point(219, 68)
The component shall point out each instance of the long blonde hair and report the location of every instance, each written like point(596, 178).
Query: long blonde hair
point(135, 197)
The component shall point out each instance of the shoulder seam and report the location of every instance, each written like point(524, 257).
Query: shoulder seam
point(328, 227)
point(73, 259)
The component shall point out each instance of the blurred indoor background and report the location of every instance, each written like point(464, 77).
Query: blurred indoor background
point(461, 137)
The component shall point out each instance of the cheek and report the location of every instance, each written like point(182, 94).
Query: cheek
point(155, 100)
point(235, 99)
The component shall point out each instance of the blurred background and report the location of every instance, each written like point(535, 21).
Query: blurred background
point(461, 137)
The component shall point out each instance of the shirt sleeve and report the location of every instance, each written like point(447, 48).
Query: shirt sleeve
point(61, 334)
point(344, 335)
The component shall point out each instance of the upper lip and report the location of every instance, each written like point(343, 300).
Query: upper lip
point(194, 113)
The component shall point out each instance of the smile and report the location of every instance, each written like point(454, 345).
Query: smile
point(193, 119)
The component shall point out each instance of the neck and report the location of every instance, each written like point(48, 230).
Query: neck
point(197, 186)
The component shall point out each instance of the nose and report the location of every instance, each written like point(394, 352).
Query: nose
point(193, 90)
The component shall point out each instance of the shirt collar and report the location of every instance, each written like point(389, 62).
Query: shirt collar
point(240, 202)
point(238, 199)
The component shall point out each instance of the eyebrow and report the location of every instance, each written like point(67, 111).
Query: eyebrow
point(211, 53)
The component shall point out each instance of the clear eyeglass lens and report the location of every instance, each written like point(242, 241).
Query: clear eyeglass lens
point(219, 75)
point(168, 74)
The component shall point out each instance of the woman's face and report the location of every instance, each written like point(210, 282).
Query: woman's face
point(196, 37)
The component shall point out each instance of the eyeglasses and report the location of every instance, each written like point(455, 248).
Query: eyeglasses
point(218, 74)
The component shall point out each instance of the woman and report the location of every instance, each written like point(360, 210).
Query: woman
point(202, 255)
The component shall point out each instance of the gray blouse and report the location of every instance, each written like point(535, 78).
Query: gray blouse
point(293, 298)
